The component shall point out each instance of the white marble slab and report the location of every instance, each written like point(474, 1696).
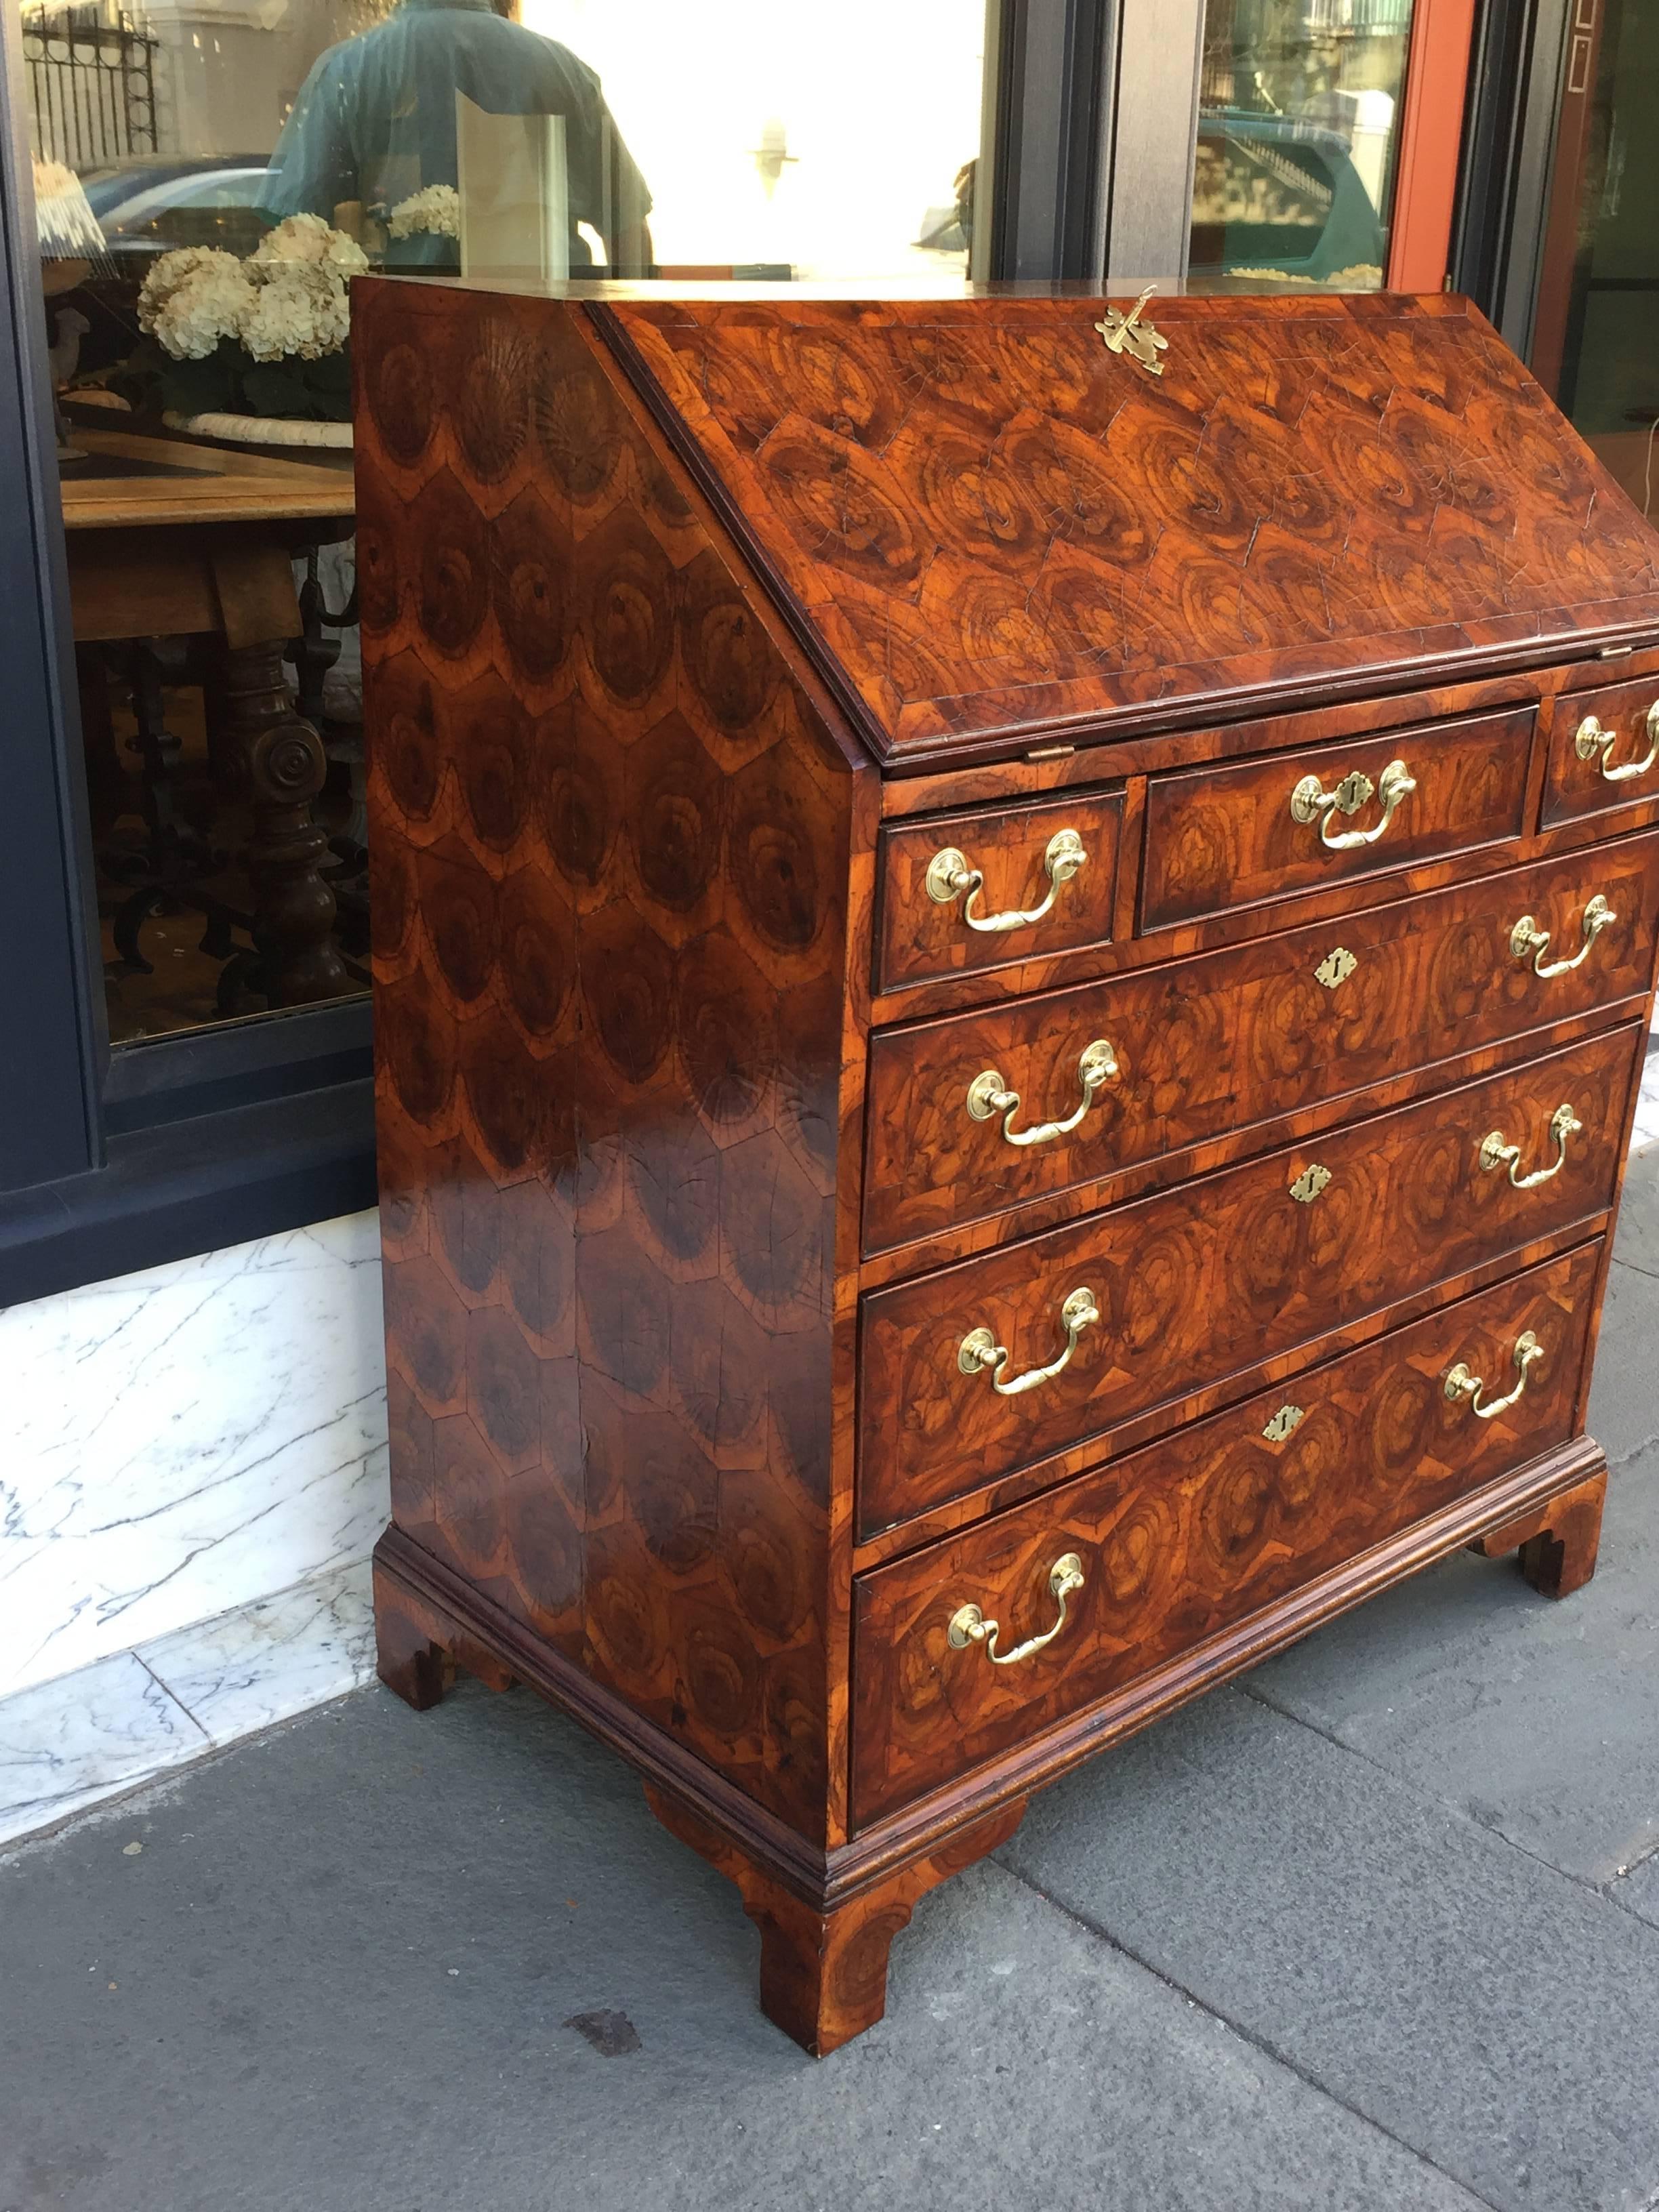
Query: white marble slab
point(187, 1440)
point(65, 1744)
point(287, 1653)
point(1645, 1130)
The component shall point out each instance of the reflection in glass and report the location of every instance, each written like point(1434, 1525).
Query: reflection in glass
point(1297, 129)
point(1595, 342)
point(210, 174)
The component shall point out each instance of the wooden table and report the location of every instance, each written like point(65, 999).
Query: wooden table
point(167, 538)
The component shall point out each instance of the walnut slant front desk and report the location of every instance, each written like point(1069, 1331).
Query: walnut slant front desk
point(1011, 971)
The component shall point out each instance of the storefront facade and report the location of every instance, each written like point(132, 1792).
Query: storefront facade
point(187, 1251)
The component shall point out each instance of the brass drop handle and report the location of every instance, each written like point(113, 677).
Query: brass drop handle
point(949, 877)
point(1527, 941)
point(1592, 739)
point(1462, 1383)
point(968, 1625)
point(1495, 1153)
point(988, 1095)
point(1311, 802)
point(979, 1353)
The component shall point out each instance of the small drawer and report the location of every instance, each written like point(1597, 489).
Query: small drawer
point(1020, 1356)
point(1205, 1046)
point(1182, 1540)
point(1604, 752)
point(1219, 838)
point(961, 892)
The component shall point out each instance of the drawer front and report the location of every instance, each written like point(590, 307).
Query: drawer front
point(1207, 1046)
point(1192, 1284)
point(1219, 838)
point(961, 892)
point(1604, 751)
point(1192, 1534)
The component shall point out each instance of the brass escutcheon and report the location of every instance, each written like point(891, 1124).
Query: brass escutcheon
point(1311, 802)
point(1128, 334)
point(1335, 968)
point(1285, 1423)
point(1309, 1183)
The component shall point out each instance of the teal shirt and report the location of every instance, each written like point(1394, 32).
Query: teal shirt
point(375, 122)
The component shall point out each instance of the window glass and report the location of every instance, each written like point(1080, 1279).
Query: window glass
point(208, 179)
point(1596, 337)
point(1297, 131)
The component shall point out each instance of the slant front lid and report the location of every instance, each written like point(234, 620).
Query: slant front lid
point(985, 525)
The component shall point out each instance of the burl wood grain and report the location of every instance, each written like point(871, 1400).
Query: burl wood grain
point(1216, 1042)
point(823, 1973)
point(919, 939)
point(990, 525)
point(1575, 788)
point(1182, 1540)
point(1196, 1282)
point(610, 852)
point(1225, 837)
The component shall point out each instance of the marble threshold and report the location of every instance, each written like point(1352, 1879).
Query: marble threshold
point(106, 1729)
point(109, 1728)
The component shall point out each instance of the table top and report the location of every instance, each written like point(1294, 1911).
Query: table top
point(132, 480)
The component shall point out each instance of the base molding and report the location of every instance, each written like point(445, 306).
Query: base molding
point(826, 1917)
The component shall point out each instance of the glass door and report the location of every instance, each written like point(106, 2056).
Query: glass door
point(1299, 117)
point(1595, 338)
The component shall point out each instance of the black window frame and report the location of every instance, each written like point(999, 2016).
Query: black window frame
point(1508, 153)
point(115, 1162)
point(112, 1161)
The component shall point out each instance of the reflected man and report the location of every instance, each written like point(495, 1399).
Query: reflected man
point(374, 124)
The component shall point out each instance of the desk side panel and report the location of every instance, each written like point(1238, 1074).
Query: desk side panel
point(610, 839)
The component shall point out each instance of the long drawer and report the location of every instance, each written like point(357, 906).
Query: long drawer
point(1183, 1539)
point(1032, 1351)
point(1221, 837)
point(1204, 1047)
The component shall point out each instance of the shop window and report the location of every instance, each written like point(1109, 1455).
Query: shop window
point(1298, 137)
point(207, 179)
point(1595, 336)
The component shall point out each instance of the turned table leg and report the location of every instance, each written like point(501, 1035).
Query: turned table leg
point(1557, 1540)
point(280, 760)
point(824, 1968)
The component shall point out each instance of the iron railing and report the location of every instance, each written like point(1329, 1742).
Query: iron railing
point(91, 79)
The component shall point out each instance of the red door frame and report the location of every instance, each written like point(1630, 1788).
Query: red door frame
point(1430, 144)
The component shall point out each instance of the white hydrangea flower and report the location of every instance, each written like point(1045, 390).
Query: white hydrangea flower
point(437, 209)
point(177, 269)
point(209, 304)
point(296, 307)
point(307, 239)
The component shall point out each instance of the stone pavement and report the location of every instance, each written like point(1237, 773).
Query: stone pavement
point(1376, 1927)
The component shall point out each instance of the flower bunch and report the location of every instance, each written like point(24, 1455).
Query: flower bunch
point(436, 209)
point(307, 241)
point(288, 300)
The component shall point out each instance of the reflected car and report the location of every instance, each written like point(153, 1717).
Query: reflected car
point(155, 202)
point(1275, 197)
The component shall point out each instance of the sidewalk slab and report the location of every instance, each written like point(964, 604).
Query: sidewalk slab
point(1500, 2018)
point(340, 1974)
point(1538, 1719)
